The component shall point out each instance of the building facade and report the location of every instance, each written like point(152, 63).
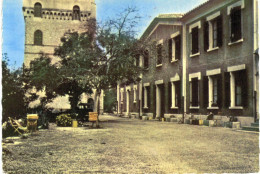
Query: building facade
point(205, 61)
point(46, 21)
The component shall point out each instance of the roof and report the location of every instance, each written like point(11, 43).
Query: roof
point(197, 8)
point(161, 18)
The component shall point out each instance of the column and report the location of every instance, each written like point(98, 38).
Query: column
point(210, 91)
point(232, 89)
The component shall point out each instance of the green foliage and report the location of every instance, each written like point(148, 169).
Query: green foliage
point(53, 79)
point(64, 120)
point(13, 102)
point(110, 100)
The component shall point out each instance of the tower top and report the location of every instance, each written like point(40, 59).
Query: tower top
point(84, 5)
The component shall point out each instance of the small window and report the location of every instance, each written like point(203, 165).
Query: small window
point(37, 10)
point(146, 59)
point(195, 40)
point(235, 22)
point(38, 37)
point(159, 54)
point(76, 13)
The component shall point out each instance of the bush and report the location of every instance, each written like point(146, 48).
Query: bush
point(64, 120)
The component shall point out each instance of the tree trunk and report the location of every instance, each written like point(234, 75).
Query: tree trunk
point(97, 104)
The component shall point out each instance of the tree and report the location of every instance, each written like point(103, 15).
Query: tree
point(13, 102)
point(52, 80)
point(107, 58)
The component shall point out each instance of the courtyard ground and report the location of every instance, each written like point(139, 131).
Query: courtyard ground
point(134, 146)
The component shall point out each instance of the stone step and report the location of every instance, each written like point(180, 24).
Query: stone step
point(250, 128)
point(255, 124)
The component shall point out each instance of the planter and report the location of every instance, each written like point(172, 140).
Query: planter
point(144, 117)
point(186, 121)
point(227, 124)
point(195, 122)
point(168, 119)
point(174, 120)
point(74, 123)
point(190, 121)
point(201, 122)
point(206, 122)
point(236, 125)
point(212, 123)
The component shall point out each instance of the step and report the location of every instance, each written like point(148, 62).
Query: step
point(250, 128)
point(255, 124)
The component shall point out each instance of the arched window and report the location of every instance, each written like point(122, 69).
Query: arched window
point(38, 37)
point(37, 10)
point(76, 12)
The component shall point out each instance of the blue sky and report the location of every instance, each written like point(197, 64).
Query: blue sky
point(13, 22)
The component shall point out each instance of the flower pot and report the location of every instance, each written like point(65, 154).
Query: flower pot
point(206, 122)
point(201, 122)
point(74, 123)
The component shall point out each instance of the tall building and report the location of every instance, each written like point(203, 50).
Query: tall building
point(205, 61)
point(46, 21)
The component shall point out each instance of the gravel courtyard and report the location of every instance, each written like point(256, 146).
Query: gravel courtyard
point(134, 146)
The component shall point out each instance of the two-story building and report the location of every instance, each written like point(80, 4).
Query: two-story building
point(203, 61)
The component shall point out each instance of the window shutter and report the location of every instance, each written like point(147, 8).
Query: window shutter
point(143, 97)
point(219, 81)
point(148, 97)
point(206, 36)
point(219, 31)
point(195, 40)
point(244, 88)
point(227, 89)
point(178, 47)
point(206, 91)
point(170, 49)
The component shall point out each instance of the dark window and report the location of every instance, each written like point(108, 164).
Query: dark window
point(215, 91)
point(159, 54)
point(240, 88)
point(38, 37)
point(177, 94)
point(170, 49)
point(236, 28)
point(76, 13)
point(37, 10)
point(195, 40)
point(194, 92)
point(146, 59)
point(177, 47)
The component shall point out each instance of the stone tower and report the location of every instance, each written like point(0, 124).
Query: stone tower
point(46, 21)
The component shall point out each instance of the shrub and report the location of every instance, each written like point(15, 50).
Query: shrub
point(64, 120)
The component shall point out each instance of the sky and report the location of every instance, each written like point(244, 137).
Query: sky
point(13, 22)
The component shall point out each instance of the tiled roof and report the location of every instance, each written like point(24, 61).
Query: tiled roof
point(170, 15)
point(165, 18)
point(196, 8)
